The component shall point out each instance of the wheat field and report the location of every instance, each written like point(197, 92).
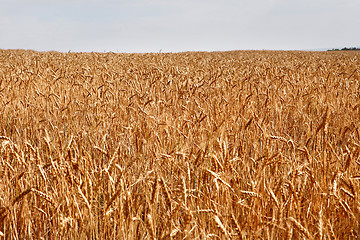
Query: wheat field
point(193, 145)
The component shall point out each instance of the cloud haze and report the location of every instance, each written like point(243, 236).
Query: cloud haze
point(153, 25)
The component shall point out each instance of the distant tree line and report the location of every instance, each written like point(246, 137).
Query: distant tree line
point(345, 49)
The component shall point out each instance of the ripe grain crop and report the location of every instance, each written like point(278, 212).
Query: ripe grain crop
point(220, 145)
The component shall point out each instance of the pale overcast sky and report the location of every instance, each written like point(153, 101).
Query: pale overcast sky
point(174, 25)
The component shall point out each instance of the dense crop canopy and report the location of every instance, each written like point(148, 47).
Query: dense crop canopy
point(243, 144)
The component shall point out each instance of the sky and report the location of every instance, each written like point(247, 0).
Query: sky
point(178, 25)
